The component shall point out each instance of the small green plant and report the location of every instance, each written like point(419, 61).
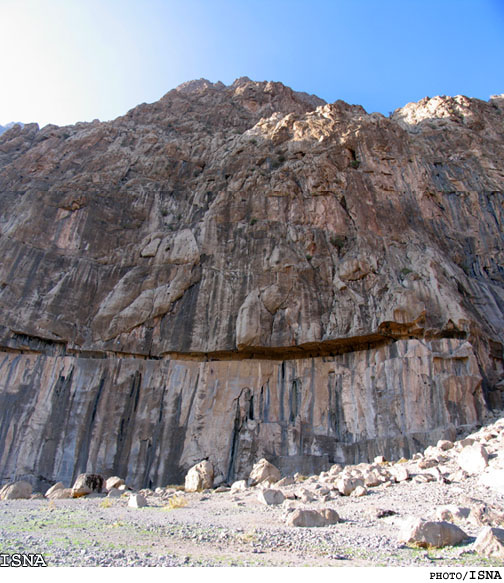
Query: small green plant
point(355, 163)
point(253, 221)
point(176, 502)
point(107, 503)
point(248, 537)
point(253, 141)
point(406, 271)
point(308, 257)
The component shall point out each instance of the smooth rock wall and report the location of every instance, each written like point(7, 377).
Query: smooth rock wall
point(150, 420)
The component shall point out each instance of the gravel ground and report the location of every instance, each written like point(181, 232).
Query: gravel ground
point(234, 529)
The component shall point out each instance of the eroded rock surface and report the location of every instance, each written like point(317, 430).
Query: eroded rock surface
point(241, 271)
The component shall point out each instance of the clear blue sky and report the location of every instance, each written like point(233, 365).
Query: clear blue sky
point(63, 61)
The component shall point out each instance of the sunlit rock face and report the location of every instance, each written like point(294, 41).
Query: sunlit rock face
point(241, 272)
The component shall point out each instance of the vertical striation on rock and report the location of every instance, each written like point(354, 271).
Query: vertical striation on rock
point(244, 271)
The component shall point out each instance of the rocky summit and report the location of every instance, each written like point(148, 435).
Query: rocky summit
point(244, 272)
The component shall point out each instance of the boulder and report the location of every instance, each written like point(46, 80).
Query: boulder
point(346, 486)
point(61, 494)
point(399, 473)
point(263, 470)
point(306, 495)
point(426, 534)
point(16, 491)
point(114, 482)
point(359, 491)
point(452, 513)
point(335, 469)
point(444, 444)
point(52, 489)
point(372, 479)
point(87, 483)
point(114, 493)
point(308, 518)
point(427, 463)
point(238, 486)
point(137, 501)
point(199, 477)
point(473, 459)
point(490, 543)
point(486, 515)
point(270, 497)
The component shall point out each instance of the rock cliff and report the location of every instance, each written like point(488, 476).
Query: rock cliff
point(244, 271)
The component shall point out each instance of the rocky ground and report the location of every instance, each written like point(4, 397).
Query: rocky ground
point(231, 527)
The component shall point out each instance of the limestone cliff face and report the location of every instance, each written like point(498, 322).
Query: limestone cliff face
point(247, 244)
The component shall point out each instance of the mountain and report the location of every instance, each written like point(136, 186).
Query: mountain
point(245, 271)
point(9, 126)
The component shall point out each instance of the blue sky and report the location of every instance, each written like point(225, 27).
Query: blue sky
point(63, 61)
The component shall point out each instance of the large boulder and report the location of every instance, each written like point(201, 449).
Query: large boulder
point(490, 543)
point(309, 518)
point(137, 501)
point(199, 477)
point(346, 486)
point(87, 483)
point(426, 534)
point(61, 494)
point(54, 488)
point(239, 486)
point(263, 471)
point(473, 459)
point(114, 482)
point(16, 490)
point(270, 497)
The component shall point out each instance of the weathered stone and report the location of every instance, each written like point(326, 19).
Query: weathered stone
point(444, 444)
point(263, 470)
point(452, 513)
point(306, 496)
point(309, 518)
point(52, 489)
point(346, 486)
point(61, 494)
point(358, 492)
point(473, 459)
point(114, 493)
point(87, 483)
point(113, 482)
point(490, 543)
point(199, 477)
point(335, 469)
point(238, 486)
point(399, 473)
point(270, 497)
point(486, 514)
point(16, 491)
point(137, 501)
point(423, 533)
point(426, 463)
